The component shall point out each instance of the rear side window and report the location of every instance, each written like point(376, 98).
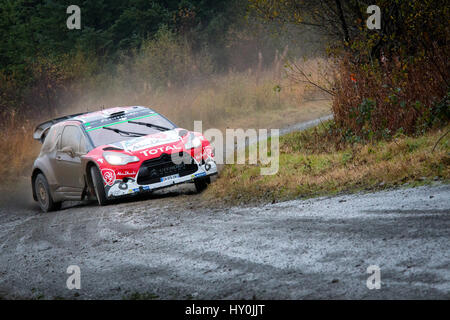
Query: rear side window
point(73, 137)
point(51, 140)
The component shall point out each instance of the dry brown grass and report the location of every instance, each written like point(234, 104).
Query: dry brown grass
point(18, 148)
point(308, 169)
point(251, 99)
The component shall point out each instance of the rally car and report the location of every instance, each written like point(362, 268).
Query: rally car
point(114, 153)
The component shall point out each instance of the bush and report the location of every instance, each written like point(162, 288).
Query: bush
point(376, 100)
point(396, 79)
point(168, 60)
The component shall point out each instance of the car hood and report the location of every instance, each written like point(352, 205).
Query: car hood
point(137, 145)
point(153, 146)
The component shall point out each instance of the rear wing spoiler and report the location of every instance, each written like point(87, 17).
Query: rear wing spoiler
point(42, 129)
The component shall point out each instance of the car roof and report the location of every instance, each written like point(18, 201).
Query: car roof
point(107, 113)
point(41, 129)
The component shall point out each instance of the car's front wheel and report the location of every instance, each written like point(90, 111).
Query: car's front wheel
point(43, 194)
point(202, 183)
point(99, 187)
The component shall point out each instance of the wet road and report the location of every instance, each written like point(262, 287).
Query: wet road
point(174, 246)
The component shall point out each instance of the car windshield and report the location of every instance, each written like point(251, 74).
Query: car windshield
point(119, 129)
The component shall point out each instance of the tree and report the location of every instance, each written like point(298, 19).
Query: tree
point(407, 26)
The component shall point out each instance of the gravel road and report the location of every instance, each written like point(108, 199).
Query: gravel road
point(173, 246)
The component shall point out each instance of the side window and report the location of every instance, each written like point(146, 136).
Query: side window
point(73, 137)
point(50, 141)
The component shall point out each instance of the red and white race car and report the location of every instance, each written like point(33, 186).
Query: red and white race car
point(114, 153)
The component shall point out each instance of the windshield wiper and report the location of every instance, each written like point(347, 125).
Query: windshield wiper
point(149, 125)
point(126, 133)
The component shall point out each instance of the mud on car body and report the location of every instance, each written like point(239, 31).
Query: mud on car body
point(114, 153)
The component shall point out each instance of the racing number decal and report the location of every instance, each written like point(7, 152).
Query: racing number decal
point(109, 176)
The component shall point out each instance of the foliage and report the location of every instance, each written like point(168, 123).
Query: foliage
point(389, 80)
point(377, 101)
point(109, 27)
point(396, 79)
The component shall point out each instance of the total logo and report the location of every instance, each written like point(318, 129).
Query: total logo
point(160, 149)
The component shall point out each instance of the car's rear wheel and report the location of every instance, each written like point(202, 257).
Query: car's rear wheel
point(99, 187)
point(43, 194)
point(202, 183)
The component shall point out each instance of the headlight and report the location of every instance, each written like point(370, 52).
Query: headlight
point(119, 159)
point(193, 142)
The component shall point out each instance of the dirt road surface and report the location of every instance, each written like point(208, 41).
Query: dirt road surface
point(171, 246)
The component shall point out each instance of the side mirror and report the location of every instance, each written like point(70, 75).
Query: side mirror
point(69, 151)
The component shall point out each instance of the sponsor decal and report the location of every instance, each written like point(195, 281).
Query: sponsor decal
point(126, 173)
point(134, 190)
point(119, 187)
point(109, 176)
point(160, 149)
point(201, 174)
point(150, 141)
point(100, 160)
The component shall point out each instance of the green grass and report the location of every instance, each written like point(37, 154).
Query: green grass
point(313, 164)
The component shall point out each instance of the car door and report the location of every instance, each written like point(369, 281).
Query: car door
point(71, 146)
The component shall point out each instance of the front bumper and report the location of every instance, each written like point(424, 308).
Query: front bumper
point(131, 187)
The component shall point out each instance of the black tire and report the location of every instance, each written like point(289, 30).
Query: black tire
point(202, 183)
point(43, 194)
point(99, 187)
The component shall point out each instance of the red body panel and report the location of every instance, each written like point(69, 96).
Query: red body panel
point(111, 173)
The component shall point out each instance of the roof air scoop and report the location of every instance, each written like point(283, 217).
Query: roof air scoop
point(110, 148)
point(116, 114)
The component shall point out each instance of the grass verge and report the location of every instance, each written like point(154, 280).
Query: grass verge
point(312, 164)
